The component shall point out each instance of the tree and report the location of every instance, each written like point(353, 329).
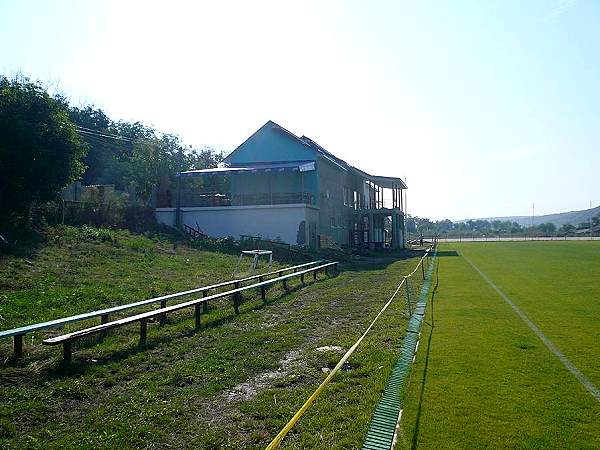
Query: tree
point(566, 229)
point(516, 228)
point(411, 226)
point(40, 150)
point(133, 155)
point(547, 228)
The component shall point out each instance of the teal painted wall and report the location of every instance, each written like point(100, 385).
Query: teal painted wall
point(271, 145)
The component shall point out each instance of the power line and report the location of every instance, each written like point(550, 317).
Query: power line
point(92, 139)
point(88, 131)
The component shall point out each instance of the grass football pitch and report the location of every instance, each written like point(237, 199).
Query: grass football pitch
point(483, 377)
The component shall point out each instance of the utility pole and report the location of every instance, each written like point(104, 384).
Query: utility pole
point(591, 235)
point(532, 219)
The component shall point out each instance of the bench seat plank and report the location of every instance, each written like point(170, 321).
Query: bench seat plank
point(89, 315)
point(155, 313)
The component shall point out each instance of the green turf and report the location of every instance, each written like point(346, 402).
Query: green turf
point(180, 390)
point(482, 378)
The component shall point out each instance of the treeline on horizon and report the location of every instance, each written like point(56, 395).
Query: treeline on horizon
point(46, 144)
point(481, 227)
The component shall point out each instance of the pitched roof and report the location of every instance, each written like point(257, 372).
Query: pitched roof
point(304, 140)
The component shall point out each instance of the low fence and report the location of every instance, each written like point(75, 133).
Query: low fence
point(418, 271)
point(515, 238)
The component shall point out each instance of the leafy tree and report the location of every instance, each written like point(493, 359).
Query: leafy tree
point(40, 150)
point(547, 228)
point(133, 155)
point(566, 229)
point(411, 225)
point(516, 228)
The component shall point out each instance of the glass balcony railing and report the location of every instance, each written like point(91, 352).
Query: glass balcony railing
point(218, 199)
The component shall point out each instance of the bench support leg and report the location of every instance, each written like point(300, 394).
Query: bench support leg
point(197, 316)
point(236, 299)
point(205, 304)
point(104, 319)
point(143, 332)
point(315, 275)
point(17, 346)
point(263, 294)
point(163, 317)
point(285, 286)
point(67, 353)
point(236, 303)
point(302, 278)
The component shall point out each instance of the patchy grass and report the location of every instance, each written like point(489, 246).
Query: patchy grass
point(232, 384)
point(482, 378)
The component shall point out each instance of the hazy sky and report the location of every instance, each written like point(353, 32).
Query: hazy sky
point(485, 106)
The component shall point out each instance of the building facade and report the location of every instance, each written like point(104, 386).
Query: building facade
point(279, 186)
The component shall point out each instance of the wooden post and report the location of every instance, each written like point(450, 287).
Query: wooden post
point(285, 285)
point(197, 315)
point(408, 297)
point(236, 299)
point(263, 294)
point(302, 278)
point(104, 319)
point(143, 331)
point(18, 346)
point(315, 275)
point(205, 304)
point(163, 317)
point(67, 351)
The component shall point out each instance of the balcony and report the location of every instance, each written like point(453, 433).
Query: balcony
point(194, 199)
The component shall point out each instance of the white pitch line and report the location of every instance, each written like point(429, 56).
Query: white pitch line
point(547, 342)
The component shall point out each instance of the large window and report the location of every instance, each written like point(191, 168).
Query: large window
point(347, 196)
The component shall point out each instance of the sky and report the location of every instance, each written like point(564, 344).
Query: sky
point(484, 107)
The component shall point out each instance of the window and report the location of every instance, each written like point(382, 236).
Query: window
point(347, 196)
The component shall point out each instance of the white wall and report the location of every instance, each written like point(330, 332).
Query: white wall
point(269, 221)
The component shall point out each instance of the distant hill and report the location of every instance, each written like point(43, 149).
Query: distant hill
point(558, 219)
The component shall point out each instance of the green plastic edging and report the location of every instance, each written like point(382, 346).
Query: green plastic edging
point(385, 417)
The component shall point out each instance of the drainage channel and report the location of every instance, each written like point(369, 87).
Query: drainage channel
point(382, 430)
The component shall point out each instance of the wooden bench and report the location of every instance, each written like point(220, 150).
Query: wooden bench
point(18, 333)
point(144, 318)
